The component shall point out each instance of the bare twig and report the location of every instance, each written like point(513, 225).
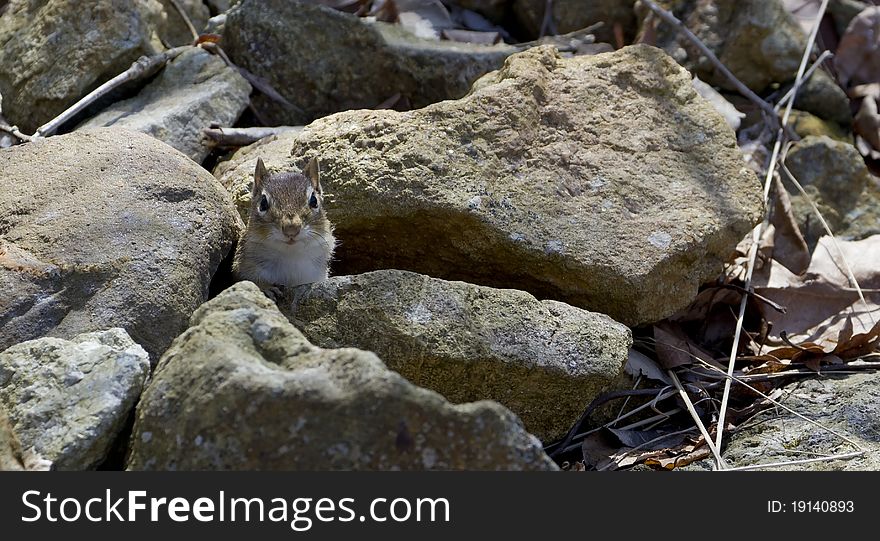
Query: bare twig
point(186, 19)
point(822, 58)
point(142, 67)
point(740, 86)
point(699, 422)
point(547, 25)
point(240, 137)
point(9, 128)
point(756, 233)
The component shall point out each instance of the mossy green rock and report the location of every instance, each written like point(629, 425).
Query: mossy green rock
point(605, 182)
point(545, 360)
point(243, 389)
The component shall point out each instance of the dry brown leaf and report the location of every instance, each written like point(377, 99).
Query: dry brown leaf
point(638, 363)
point(821, 301)
point(858, 55)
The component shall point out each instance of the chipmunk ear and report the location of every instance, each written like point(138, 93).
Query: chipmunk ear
point(260, 175)
point(313, 172)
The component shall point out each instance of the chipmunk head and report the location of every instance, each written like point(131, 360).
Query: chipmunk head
point(287, 207)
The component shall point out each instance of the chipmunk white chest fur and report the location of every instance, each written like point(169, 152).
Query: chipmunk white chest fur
point(289, 240)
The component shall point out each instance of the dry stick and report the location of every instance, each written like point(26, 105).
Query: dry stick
point(186, 19)
point(9, 128)
point(742, 88)
point(142, 67)
point(239, 137)
point(690, 407)
point(822, 58)
point(756, 233)
point(849, 273)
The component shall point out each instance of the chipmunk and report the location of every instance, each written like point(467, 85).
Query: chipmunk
point(289, 240)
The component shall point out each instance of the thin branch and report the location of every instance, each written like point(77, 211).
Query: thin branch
point(142, 67)
point(240, 137)
point(822, 58)
point(186, 19)
point(699, 422)
point(756, 233)
point(740, 86)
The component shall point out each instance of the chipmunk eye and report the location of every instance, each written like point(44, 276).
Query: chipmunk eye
point(264, 203)
point(313, 201)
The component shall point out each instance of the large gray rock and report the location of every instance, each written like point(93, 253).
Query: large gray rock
point(53, 52)
point(107, 228)
point(542, 359)
point(605, 182)
point(836, 179)
point(70, 400)
point(847, 405)
point(243, 389)
point(192, 92)
point(324, 61)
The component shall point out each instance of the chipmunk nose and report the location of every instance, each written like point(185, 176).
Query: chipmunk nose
point(291, 228)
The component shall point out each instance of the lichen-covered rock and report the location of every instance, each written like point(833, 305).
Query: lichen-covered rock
point(542, 359)
point(847, 405)
point(194, 91)
point(570, 15)
point(243, 389)
point(605, 182)
point(107, 228)
point(70, 399)
point(323, 61)
point(835, 178)
point(90, 42)
point(10, 448)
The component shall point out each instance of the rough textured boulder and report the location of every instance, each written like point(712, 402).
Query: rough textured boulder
point(542, 359)
point(192, 92)
point(107, 228)
point(848, 405)
point(836, 179)
point(90, 43)
point(570, 15)
point(70, 400)
point(324, 61)
point(243, 389)
point(11, 458)
point(604, 181)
